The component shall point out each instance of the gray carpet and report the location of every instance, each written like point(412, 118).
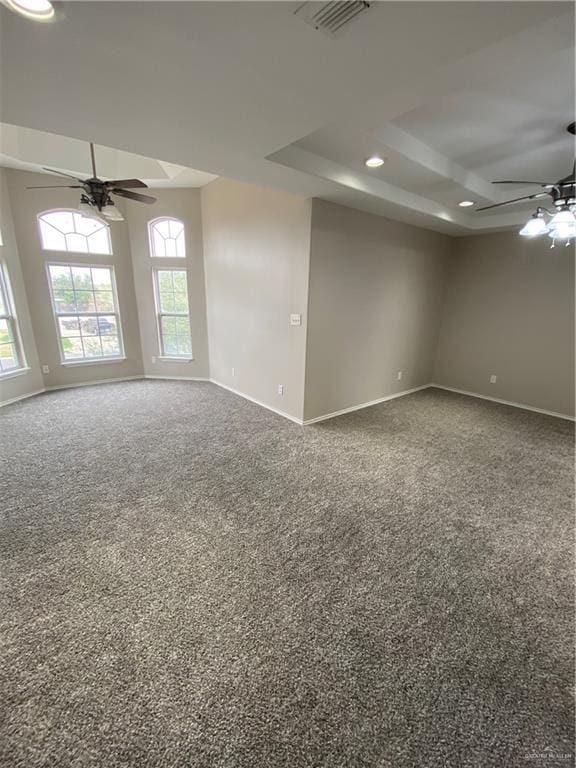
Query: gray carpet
point(191, 580)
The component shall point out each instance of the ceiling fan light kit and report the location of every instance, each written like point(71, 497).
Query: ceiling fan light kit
point(89, 211)
point(562, 224)
point(110, 212)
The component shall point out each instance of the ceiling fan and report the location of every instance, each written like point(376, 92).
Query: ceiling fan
point(562, 224)
point(96, 194)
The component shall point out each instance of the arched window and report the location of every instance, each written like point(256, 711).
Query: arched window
point(68, 230)
point(167, 238)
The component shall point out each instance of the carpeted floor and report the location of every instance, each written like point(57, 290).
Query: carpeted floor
point(189, 580)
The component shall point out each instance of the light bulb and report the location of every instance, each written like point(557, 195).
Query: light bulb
point(374, 161)
point(534, 226)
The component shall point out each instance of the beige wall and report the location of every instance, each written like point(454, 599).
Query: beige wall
point(183, 204)
point(509, 311)
point(376, 289)
point(26, 205)
point(30, 380)
point(256, 249)
point(376, 297)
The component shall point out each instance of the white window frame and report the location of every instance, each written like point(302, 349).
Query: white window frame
point(13, 325)
point(151, 247)
point(40, 220)
point(160, 314)
point(116, 312)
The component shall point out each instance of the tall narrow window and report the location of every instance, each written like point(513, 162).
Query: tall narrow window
point(68, 230)
point(86, 312)
point(171, 287)
point(167, 239)
point(11, 355)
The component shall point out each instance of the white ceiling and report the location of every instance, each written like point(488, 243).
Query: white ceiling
point(30, 150)
point(455, 94)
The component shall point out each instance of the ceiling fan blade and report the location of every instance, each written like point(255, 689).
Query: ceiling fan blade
point(126, 183)
point(515, 200)
point(541, 183)
point(61, 173)
point(134, 196)
point(58, 186)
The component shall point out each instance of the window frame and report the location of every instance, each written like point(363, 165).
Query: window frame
point(116, 312)
point(160, 314)
point(11, 318)
point(151, 247)
point(88, 253)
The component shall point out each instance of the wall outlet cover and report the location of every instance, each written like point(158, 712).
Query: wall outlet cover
point(45, 369)
point(295, 319)
point(493, 378)
point(280, 389)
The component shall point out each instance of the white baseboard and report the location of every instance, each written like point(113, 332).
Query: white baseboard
point(257, 402)
point(287, 415)
point(92, 383)
point(178, 378)
point(365, 405)
point(21, 397)
point(523, 406)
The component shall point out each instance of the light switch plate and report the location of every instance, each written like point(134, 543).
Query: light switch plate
point(295, 319)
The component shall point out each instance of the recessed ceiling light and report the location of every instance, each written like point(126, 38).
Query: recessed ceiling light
point(375, 161)
point(39, 10)
point(466, 203)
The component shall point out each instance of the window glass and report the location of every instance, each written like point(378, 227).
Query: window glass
point(11, 355)
point(171, 286)
point(70, 231)
point(167, 238)
point(86, 311)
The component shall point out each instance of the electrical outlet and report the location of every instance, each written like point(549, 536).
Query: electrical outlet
point(280, 389)
point(399, 375)
point(295, 319)
point(45, 369)
point(233, 371)
point(493, 378)
point(153, 359)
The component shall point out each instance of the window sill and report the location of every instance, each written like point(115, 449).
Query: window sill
point(95, 361)
point(164, 359)
point(15, 372)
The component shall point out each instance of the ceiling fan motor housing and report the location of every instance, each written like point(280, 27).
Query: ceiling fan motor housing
point(98, 193)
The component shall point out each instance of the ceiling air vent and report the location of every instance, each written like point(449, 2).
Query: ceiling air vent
point(331, 18)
